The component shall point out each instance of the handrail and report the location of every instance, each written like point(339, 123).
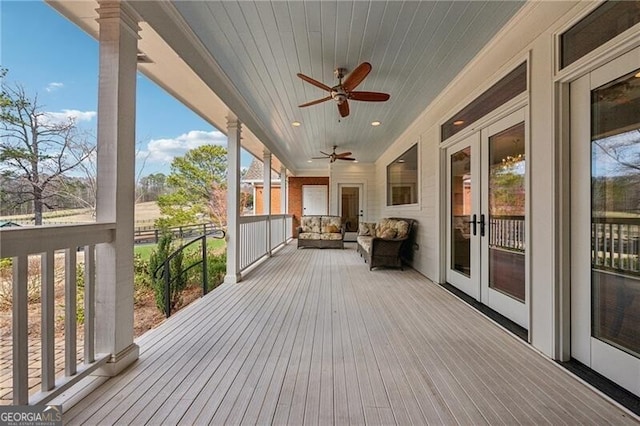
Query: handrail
point(617, 220)
point(166, 268)
point(30, 240)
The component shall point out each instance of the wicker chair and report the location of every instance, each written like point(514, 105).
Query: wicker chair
point(387, 252)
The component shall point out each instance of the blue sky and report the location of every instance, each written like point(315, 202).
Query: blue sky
point(53, 58)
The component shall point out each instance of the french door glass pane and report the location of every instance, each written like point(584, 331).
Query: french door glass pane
point(350, 208)
point(615, 213)
point(461, 211)
point(507, 212)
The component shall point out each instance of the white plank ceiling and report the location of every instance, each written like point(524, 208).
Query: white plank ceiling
point(244, 56)
point(416, 48)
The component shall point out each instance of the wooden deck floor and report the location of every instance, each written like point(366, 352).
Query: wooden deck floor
point(312, 336)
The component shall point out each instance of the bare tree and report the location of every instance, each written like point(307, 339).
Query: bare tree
point(36, 148)
point(84, 189)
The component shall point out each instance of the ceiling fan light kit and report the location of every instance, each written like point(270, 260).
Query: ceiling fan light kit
point(343, 92)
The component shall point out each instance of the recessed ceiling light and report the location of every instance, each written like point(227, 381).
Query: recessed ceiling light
point(401, 160)
point(355, 161)
point(296, 124)
point(375, 123)
point(458, 122)
point(309, 161)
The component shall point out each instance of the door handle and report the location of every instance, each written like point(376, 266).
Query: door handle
point(474, 223)
point(481, 225)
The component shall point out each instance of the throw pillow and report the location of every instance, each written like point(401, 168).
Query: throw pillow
point(388, 233)
point(364, 229)
point(403, 229)
point(331, 229)
point(381, 227)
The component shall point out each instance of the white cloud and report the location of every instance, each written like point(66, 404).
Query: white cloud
point(66, 114)
point(53, 86)
point(164, 150)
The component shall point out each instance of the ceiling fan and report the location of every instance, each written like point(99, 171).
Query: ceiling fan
point(335, 156)
point(344, 91)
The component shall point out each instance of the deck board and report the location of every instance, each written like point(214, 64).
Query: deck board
point(314, 337)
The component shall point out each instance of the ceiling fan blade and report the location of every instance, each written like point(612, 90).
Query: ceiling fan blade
point(324, 153)
point(319, 158)
point(346, 158)
point(344, 108)
point(317, 101)
point(356, 76)
point(343, 154)
point(369, 96)
point(314, 82)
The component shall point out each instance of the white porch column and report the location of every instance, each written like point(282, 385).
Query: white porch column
point(283, 190)
point(116, 183)
point(266, 194)
point(283, 199)
point(234, 128)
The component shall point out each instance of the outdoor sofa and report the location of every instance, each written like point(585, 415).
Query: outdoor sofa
point(386, 242)
point(321, 232)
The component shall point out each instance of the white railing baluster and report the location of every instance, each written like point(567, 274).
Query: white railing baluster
point(597, 244)
point(70, 312)
point(89, 303)
point(47, 323)
point(610, 240)
point(619, 250)
point(20, 331)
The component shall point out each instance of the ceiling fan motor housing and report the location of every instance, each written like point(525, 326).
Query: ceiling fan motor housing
point(338, 94)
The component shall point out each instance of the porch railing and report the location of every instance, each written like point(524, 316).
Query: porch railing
point(255, 240)
point(42, 245)
point(507, 232)
point(614, 244)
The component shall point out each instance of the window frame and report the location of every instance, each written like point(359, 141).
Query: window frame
point(389, 183)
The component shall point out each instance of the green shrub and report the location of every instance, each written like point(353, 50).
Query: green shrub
point(178, 280)
point(6, 263)
point(216, 268)
point(141, 272)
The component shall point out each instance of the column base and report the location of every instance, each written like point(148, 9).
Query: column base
point(232, 278)
point(119, 361)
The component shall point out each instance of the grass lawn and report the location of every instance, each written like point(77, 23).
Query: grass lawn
point(144, 250)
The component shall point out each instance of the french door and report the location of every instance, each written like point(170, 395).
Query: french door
point(486, 210)
point(351, 206)
point(605, 220)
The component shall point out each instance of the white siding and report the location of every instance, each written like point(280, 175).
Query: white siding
point(352, 173)
point(529, 35)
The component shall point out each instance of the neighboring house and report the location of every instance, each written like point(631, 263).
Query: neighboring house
point(254, 179)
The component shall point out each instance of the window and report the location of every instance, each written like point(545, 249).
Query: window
point(597, 28)
point(402, 178)
point(497, 95)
